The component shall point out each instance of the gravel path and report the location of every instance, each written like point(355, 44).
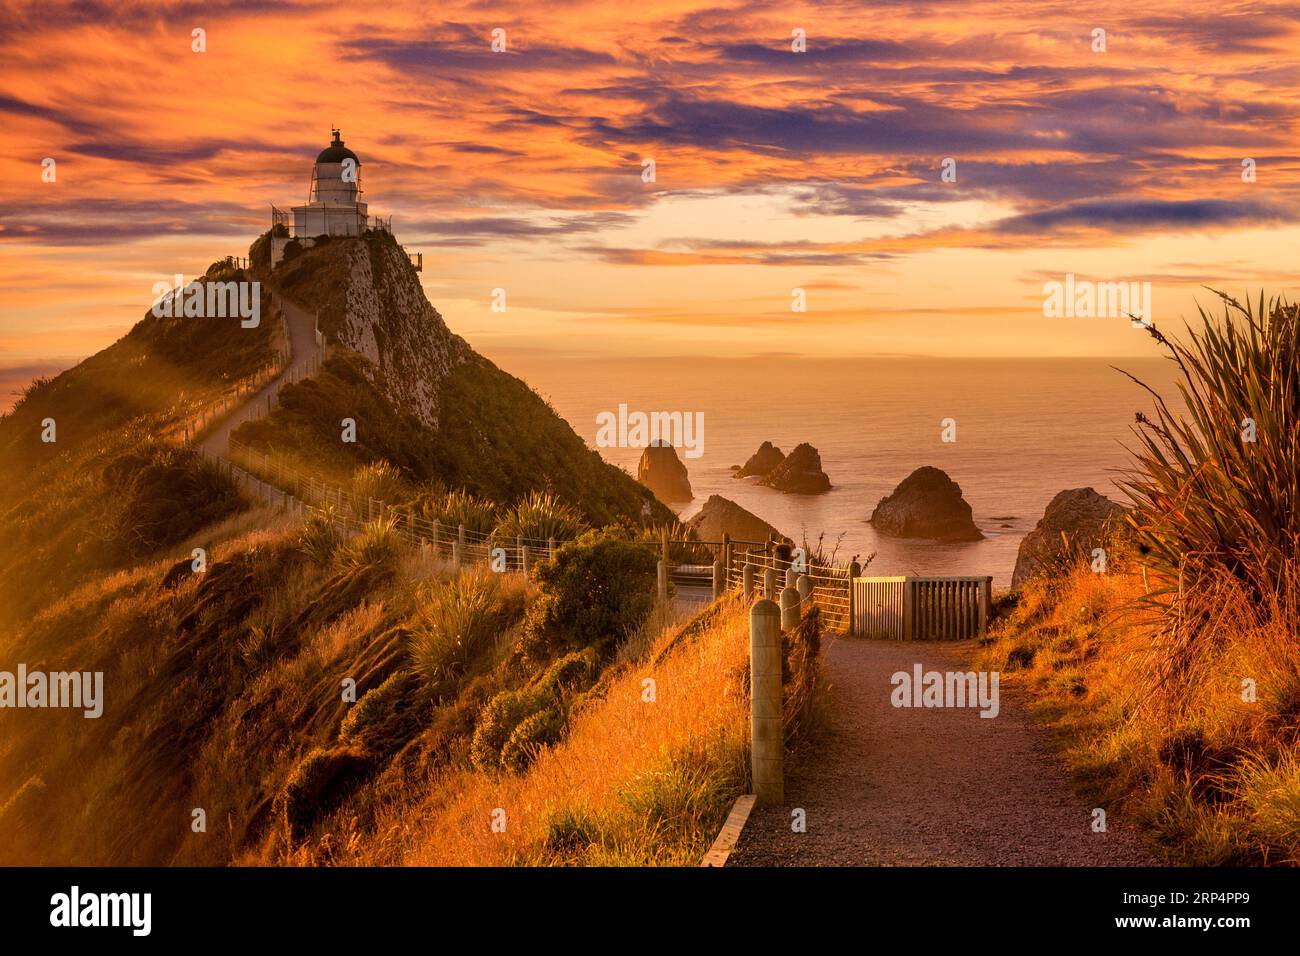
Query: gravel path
point(886, 786)
point(302, 344)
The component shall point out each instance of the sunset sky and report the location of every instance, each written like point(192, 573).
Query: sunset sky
point(774, 169)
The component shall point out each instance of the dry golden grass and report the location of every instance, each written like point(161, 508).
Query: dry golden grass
point(634, 782)
point(1212, 777)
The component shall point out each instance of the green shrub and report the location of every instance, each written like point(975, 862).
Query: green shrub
point(456, 508)
point(595, 593)
point(538, 517)
point(377, 547)
point(498, 720)
point(574, 672)
point(319, 783)
point(454, 623)
point(1205, 495)
point(386, 717)
point(381, 481)
point(542, 729)
point(159, 494)
point(320, 537)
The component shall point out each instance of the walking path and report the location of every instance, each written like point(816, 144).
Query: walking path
point(302, 346)
point(886, 786)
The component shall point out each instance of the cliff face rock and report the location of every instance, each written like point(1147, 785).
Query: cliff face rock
point(369, 299)
point(1081, 515)
point(662, 472)
point(926, 504)
point(799, 474)
point(721, 516)
point(424, 400)
point(761, 462)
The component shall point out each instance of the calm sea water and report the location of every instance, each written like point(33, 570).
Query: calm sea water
point(1026, 429)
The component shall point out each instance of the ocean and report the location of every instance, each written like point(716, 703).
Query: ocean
point(1025, 430)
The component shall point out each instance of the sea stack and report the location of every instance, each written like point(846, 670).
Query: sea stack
point(799, 474)
point(663, 473)
point(761, 463)
point(721, 516)
point(1081, 515)
point(926, 504)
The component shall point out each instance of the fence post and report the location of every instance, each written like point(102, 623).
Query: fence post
point(519, 549)
point(767, 733)
point(719, 579)
point(789, 608)
point(523, 558)
point(550, 548)
point(805, 587)
point(909, 609)
point(663, 581)
point(791, 576)
point(986, 603)
point(726, 555)
point(855, 571)
point(455, 556)
point(747, 579)
point(437, 534)
point(460, 535)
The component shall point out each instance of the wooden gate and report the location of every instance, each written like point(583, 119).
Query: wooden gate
point(921, 608)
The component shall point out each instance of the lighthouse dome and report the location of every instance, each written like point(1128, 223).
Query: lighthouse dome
point(336, 152)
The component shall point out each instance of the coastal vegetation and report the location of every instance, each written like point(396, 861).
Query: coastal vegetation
point(1173, 678)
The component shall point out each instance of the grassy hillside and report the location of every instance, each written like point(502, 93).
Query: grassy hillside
point(224, 692)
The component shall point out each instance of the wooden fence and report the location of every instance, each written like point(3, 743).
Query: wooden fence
point(922, 608)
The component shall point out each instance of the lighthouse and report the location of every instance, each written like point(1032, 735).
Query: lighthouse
point(334, 206)
point(333, 209)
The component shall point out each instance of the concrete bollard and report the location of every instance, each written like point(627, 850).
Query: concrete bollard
point(789, 609)
point(719, 580)
point(805, 586)
point(663, 582)
point(769, 583)
point(766, 726)
point(455, 555)
point(747, 580)
point(791, 577)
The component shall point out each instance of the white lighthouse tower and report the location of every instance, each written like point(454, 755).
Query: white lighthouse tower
point(333, 207)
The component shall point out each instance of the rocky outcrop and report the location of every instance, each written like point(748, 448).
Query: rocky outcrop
point(799, 474)
point(927, 504)
point(663, 473)
point(761, 462)
point(721, 516)
point(369, 299)
point(1081, 515)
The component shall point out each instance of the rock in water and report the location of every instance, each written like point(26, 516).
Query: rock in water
point(663, 473)
point(1081, 515)
point(927, 504)
point(721, 516)
point(762, 461)
point(800, 474)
